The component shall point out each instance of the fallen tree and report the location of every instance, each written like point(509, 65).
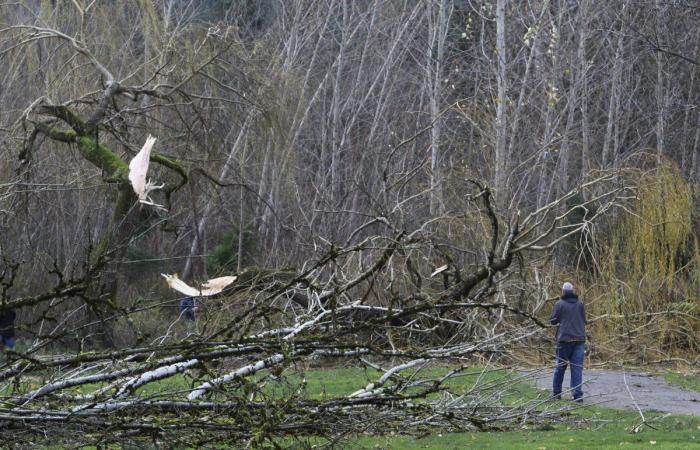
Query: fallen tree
point(389, 299)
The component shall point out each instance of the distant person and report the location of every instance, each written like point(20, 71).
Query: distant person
point(188, 308)
point(7, 328)
point(570, 315)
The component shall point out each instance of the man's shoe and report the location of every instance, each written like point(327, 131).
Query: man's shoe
point(578, 400)
point(556, 396)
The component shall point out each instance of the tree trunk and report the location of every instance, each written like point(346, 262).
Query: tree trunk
point(500, 125)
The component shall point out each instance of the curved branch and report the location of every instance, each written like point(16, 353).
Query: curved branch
point(47, 33)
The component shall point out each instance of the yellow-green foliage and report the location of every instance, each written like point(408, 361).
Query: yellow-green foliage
point(645, 293)
point(644, 245)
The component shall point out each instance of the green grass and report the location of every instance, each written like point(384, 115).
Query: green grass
point(319, 384)
point(339, 382)
point(565, 439)
point(587, 427)
point(686, 381)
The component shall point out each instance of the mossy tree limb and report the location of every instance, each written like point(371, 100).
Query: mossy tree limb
point(65, 114)
point(57, 134)
point(110, 163)
point(173, 165)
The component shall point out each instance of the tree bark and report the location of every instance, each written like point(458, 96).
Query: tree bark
point(500, 176)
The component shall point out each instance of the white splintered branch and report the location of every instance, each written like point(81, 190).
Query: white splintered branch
point(216, 285)
point(240, 373)
point(169, 366)
point(375, 388)
point(138, 169)
point(289, 332)
point(60, 385)
point(176, 283)
point(211, 287)
point(297, 328)
point(167, 405)
point(153, 375)
point(274, 332)
point(439, 270)
point(341, 353)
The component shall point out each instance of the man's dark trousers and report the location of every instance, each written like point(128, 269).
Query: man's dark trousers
point(569, 353)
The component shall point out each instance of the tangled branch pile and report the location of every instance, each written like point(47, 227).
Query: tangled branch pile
point(376, 301)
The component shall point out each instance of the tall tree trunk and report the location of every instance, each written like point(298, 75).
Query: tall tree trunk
point(336, 147)
point(578, 76)
point(609, 152)
point(437, 30)
point(500, 125)
point(660, 96)
point(521, 103)
point(687, 117)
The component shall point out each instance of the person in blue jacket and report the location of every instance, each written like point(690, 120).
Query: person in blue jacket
point(7, 328)
point(570, 314)
point(188, 308)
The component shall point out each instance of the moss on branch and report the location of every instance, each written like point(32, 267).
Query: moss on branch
point(173, 165)
point(62, 112)
point(57, 134)
point(102, 157)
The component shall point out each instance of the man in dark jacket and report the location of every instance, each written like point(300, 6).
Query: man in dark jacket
point(188, 308)
point(7, 328)
point(570, 315)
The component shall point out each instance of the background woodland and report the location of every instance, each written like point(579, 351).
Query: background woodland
point(368, 155)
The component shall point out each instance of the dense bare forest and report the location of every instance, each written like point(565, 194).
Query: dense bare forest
point(391, 182)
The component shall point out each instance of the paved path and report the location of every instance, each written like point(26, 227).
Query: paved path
point(650, 392)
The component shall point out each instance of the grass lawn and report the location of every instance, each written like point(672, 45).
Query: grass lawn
point(597, 427)
point(587, 427)
point(686, 381)
point(563, 439)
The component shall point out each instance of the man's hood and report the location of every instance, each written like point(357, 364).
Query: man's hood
point(569, 297)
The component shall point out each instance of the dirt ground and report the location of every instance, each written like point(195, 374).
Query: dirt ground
point(618, 389)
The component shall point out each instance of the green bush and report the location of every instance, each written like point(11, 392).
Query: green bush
point(224, 257)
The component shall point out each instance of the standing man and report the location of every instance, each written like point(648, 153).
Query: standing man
point(570, 315)
point(7, 328)
point(188, 308)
